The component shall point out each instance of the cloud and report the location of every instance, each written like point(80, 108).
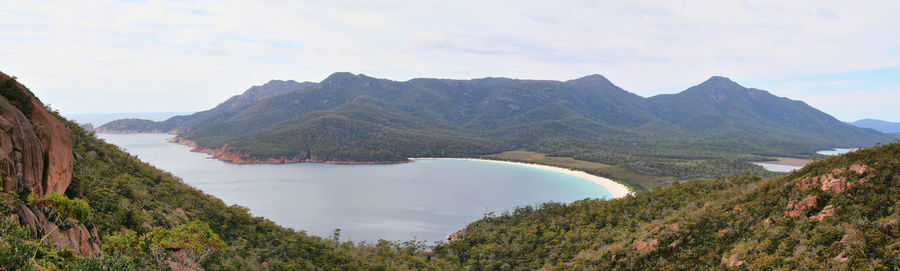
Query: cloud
point(159, 55)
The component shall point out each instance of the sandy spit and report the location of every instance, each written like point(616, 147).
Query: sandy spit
point(616, 189)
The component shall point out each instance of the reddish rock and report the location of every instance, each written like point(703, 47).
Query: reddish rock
point(826, 212)
point(732, 261)
point(893, 222)
point(834, 185)
point(675, 244)
point(75, 235)
point(78, 238)
point(808, 182)
point(649, 245)
point(36, 151)
point(57, 144)
point(799, 207)
point(846, 240)
point(725, 231)
point(841, 258)
point(36, 158)
point(181, 262)
point(859, 168)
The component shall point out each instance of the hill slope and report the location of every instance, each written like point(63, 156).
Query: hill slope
point(720, 108)
point(839, 213)
point(880, 125)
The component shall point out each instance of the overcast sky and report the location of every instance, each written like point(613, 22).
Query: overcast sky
point(842, 57)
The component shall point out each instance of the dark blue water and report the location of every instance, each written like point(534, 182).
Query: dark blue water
point(424, 200)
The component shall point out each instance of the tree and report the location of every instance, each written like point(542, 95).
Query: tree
point(188, 243)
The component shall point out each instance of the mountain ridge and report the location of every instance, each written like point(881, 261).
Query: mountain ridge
point(497, 114)
point(879, 125)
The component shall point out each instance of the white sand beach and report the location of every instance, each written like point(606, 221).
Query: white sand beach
point(616, 189)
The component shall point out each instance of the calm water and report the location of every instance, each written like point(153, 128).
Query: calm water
point(424, 200)
point(787, 168)
point(777, 167)
point(835, 151)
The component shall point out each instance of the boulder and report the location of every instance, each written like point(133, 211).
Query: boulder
point(36, 158)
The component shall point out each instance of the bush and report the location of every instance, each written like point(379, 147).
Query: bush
point(64, 206)
point(196, 240)
point(18, 98)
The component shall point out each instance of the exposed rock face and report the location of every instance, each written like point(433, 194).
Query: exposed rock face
point(641, 245)
point(826, 212)
point(834, 182)
point(36, 158)
point(732, 261)
point(797, 208)
point(36, 152)
point(181, 262)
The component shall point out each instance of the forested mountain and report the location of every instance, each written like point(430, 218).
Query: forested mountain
point(235, 103)
point(836, 213)
point(356, 118)
point(880, 125)
point(720, 108)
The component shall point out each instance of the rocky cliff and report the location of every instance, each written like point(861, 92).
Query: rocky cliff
point(36, 159)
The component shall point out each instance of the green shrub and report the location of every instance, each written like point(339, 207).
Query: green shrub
point(18, 249)
point(64, 206)
point(15, 95)
point(195, 239)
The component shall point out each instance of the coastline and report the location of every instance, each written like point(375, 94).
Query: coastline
point(617, 190)
point(224, 155)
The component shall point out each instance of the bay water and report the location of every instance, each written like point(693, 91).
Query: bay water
point(424, 200)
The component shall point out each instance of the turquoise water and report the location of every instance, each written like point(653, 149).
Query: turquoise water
point(777, 167)
point(835, 151)
point(424, 200)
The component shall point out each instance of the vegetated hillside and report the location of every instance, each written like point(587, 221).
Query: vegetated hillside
point(838, 213)
point(720, 108)
point(880, 125)
point(715, 125)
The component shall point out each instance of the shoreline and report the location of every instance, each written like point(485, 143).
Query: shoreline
point(224, 155)
point(617, 190)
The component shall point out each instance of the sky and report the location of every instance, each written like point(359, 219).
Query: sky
point(842, 57)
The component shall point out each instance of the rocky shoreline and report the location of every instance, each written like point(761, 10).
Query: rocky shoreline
point(223, 154)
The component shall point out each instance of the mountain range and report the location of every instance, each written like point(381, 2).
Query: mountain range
point(356, 118)
point(880, 125)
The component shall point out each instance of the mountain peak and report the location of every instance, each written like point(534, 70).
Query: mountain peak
point(276, 82)
point(717, 85)
point(720, 81)
point(593, 80)
point(344, 77)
